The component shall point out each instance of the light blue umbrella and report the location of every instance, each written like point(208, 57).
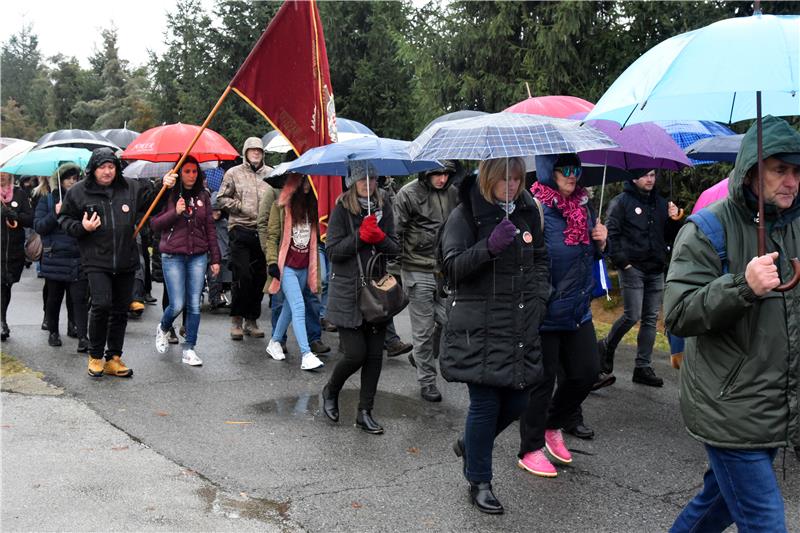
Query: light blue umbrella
point(712, 73)
point(46, 161)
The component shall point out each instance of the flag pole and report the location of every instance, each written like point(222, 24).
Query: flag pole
point(183, 156)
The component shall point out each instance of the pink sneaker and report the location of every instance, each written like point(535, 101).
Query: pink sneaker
point(554, 441)
point(537, 463)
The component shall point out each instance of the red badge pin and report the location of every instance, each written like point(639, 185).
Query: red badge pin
point(527, 237)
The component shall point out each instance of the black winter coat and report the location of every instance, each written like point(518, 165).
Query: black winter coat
point(341, 246)
point(497, 303)
point(640, 230)
point(112, 247)
point(12, 241)
point(61, 257)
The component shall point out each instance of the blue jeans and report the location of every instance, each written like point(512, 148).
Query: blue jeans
point(491, 410)
point(641, 296)
point(292, 281)
point(739, 486)
point(313, 325)
point(325, 272)
point(184, 276)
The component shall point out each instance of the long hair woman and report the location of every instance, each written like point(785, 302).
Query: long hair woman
point(496, 265)
point(361, 223)
point(16, 214)
point(293, 259)
point(188, 236)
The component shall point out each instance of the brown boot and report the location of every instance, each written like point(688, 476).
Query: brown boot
point(236, 328)
point(251, 329)
point(95, 367)
point(115, 367)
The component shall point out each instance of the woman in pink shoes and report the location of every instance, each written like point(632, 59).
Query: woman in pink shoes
point(495, 264)
point(575, 240)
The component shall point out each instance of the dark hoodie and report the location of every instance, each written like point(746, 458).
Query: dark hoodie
point(112, 247)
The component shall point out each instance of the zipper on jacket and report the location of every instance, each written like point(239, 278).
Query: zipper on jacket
point(113, 235)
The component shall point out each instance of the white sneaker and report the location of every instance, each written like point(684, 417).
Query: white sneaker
point(162, 340)
point(310, 361)
point(190, 358)
point(275, 350)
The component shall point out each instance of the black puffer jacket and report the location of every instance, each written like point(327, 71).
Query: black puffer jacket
point(497, 303)
point(61, 257)
point(640, 230)
point(112, 247)
point(341, 245)
point(12, 241)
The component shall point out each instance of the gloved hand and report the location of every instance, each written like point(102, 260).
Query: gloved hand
point(501, 237)
point(274, 271)
point(369, 232)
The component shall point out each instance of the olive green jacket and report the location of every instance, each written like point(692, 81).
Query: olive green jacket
point(740, 377)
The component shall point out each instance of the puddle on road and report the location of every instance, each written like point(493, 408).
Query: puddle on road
point(261, 509)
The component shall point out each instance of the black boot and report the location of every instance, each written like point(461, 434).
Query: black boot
point(484, 499)
point(606, 357)
point(54, 339)
point(4, 331)
point(330, 404)
point(83, 345)
point(72, 330)
point(646, 376)
point(365, 421)
point(460, 451)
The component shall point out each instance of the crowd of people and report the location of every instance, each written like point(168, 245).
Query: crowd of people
point(499, 278)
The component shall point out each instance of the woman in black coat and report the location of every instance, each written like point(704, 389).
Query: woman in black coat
point(496, 266)
point(60, 263)
point(16, 215)
point(353, 231)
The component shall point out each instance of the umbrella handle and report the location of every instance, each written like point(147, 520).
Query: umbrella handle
point(789, 285)
point(679, 216)
point(12, 224)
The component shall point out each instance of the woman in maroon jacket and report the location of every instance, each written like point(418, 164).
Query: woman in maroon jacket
point(188, 235)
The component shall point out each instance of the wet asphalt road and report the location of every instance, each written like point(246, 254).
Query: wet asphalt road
point(249, 424)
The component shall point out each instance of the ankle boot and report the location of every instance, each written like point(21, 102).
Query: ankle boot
point(4, 331)
point(54, 339)
point(483, 498)
point(365, 421)
point(330, 403)
point(460, 451)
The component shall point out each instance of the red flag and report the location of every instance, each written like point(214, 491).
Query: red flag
point(286, 79)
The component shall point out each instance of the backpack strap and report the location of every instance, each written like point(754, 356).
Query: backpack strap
point(711, 226)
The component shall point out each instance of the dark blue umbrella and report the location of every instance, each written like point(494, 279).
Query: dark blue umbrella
point(88, 140)
point(719, 148)
point(122, 137)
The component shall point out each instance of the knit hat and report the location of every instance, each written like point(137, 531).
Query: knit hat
point(357, 171)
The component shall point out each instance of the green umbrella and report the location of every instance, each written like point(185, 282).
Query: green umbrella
point(45, 161)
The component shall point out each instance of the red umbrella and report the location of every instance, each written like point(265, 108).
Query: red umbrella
point(167, 144)
point(552, 106)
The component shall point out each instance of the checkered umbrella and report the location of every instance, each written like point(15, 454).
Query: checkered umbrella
point(688, 132)
point(502, 135)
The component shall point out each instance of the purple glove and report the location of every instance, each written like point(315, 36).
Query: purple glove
point(502, 235)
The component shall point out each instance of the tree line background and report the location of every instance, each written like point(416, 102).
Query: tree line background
point(394, 66)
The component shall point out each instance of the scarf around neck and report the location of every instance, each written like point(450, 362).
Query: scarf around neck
point(571, 209)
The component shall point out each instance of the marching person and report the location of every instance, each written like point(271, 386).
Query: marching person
point(60, 264)
point(101, 211)
point(16, 214)
point(362, 223)
point(575, 240)
point(739, 378)
point(496, 266)
point(188, 237)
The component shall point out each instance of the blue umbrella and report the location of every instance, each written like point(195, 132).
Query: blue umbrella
point(46, 161)
point(687, 132)
point(719, 148)
point(346, 130)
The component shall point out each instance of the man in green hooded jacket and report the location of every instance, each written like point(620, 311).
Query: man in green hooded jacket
point(740, 378)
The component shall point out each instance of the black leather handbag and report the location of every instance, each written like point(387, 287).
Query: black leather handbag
point(381, 296)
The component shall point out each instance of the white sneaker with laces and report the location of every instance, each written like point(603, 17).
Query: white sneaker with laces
point(310, 361)
point(190, 358)
point(275, 350)
point(162, 339)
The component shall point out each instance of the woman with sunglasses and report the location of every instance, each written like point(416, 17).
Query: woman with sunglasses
point(575, 240)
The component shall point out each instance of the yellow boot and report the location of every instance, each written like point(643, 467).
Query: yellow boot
point(95, 367)
point(115, 367)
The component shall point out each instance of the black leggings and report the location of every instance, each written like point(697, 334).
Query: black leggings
point(363, 349)
point(576, 351)
point(77, 304)
point(5, 299)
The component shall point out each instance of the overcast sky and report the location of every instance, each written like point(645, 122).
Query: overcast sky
point(72, 27)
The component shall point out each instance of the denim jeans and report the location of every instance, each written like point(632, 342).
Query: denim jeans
point(313, 325)
point(184, 277)
point(739, 486)
point(641, 296)
point(292, 281)
point(491, 410)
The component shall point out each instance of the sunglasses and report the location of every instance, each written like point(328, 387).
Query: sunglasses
point(570, 171)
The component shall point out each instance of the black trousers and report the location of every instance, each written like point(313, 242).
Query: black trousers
point(5, 299)
point(249, 268)
point(77, 304)
point(576, 351)
point(108, 316)
point(363, 349)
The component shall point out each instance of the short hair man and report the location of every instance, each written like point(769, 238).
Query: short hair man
point(739, 377)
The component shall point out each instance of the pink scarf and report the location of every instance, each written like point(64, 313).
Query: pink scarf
point(7, 193)
point(571, 208)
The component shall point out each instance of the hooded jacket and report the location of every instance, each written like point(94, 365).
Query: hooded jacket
point(740, 377)
point(61, 257)
point(242, 188)
point(112, 247)
point(419, 211)
point(12, 240)
point(497, 303)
